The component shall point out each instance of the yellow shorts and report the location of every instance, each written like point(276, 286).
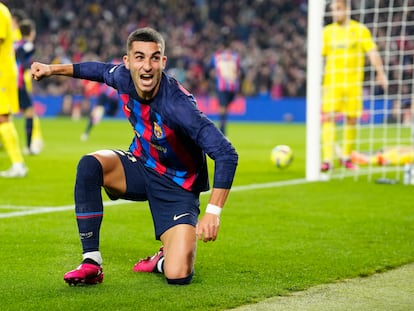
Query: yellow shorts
point(345, 99)
point(9, 98)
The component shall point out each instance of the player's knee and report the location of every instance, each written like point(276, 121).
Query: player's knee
point(174, 271)
point(181, 281)
point(89, 168)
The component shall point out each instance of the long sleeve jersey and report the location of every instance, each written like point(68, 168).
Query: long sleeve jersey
point(172, 136)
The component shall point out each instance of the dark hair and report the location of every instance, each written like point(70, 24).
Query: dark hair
point(146, 34)
point(344, 2)
point(19, 15)
point(26, 26)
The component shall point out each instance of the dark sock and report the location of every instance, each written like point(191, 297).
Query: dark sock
point(29, 131)
point(88, 202)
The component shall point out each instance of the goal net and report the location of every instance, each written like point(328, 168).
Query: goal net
point(383, 139)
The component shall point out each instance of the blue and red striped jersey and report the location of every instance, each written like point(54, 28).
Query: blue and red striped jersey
point(24, 53)
point(172, 136)
point(227, 67)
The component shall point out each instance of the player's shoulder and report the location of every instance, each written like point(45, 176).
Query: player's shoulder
point(118, 77)
point(357, 25)
point(118, 71)
point(329, 26)
point(176, 89)
point(329, 29)
point(178, 98)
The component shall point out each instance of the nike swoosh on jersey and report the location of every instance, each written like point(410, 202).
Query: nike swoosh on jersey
point(176, 217)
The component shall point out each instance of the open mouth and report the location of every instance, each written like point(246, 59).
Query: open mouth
point(146, 79)
point(146, 76)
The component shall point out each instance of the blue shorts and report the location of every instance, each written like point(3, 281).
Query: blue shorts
point(169, 203)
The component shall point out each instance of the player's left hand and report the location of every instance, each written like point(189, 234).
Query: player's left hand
point(383, 81)
point(208, 227)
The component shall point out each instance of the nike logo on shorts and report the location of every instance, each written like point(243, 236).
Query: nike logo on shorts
point(176, 217)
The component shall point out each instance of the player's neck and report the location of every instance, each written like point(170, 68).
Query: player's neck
point(344, 22)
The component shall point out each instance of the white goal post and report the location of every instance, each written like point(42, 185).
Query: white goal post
point(313, 88)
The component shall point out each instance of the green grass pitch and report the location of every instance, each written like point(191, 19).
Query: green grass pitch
point(275, 236)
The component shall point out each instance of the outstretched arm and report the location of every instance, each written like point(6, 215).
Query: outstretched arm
point(40, 71)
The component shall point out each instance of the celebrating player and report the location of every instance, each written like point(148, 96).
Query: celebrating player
point(345, 43)
point(165, 163)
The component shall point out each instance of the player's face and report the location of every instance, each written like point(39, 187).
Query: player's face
point(339, 12)
point(146, 62)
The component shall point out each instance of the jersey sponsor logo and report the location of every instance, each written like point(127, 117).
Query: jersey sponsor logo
point(176, 217)
point(159, 148)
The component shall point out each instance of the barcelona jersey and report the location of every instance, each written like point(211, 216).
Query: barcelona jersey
point(24, 54)
point(171, 134)
point(227, 65)
point(344, 48)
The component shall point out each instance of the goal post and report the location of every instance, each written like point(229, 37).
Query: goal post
point(313, 91)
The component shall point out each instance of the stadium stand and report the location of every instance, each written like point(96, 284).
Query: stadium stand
point(270, 36)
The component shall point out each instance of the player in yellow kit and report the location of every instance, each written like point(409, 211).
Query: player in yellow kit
point(9, 103)
point(345, 44)
point(395, 155)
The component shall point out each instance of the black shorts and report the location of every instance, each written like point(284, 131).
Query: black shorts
point(169, 203)
point(225, 98)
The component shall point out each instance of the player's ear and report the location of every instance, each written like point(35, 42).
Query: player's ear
point(164, 62)
point(126, 62)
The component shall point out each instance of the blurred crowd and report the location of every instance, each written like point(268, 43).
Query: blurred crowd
point(268, 34)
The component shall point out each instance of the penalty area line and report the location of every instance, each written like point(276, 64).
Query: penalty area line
point(28, 210)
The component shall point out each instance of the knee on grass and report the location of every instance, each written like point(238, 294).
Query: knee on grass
point(181, 281)
point(181, 276)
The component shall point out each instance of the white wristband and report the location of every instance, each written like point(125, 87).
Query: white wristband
point(213, 209)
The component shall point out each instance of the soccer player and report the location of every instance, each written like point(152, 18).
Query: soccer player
point(226, 65)
point(345, 43)
point(9, 103)
point(24, 53)
point(164, 165)
point(396, 155)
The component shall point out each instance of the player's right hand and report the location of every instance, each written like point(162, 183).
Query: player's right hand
point(39, 71)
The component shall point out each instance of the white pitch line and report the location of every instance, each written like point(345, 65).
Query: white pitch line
point(29, 210)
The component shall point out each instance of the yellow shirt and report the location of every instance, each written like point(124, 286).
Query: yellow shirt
point(7, 56)
point(344, 49)
point(17, 35)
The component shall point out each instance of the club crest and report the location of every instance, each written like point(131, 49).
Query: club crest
point(157, 130)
